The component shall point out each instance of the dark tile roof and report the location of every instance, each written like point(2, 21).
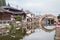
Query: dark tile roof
point(10, 8)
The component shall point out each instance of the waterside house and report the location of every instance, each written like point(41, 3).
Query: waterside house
point(8, 14)
point(29, 15)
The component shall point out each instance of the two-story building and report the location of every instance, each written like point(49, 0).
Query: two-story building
point(8, 14)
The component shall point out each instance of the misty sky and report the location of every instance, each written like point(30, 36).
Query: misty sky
point(39, 7)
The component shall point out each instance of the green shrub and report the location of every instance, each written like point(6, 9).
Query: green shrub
point(11, 28)
point(18, 18)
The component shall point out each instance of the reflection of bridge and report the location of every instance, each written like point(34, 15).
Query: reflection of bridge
point(49, 16)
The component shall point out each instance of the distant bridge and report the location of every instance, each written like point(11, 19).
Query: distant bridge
point(46, 15)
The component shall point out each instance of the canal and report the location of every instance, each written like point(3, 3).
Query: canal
point(40, 34)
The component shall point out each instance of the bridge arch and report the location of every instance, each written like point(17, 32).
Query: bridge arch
point(42, 17)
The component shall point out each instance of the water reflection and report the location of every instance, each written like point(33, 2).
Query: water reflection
point(49, 27)
point(40, 34)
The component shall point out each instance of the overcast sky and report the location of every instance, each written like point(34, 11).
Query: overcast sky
point(39, 7)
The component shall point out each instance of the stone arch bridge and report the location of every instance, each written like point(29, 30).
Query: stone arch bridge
point(46, 15)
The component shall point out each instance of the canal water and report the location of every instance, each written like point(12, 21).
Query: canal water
point(40, 34)
point(49, 27)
